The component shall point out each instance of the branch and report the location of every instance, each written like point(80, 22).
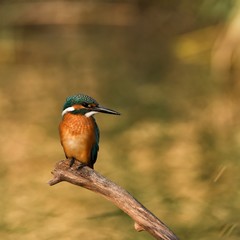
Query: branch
point(92, 180)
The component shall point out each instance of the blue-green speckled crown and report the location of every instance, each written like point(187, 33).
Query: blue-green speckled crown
point(79, 99)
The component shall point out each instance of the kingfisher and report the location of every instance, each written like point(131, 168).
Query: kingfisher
point(78, 130)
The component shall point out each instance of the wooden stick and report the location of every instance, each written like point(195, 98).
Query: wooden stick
point(92, 180)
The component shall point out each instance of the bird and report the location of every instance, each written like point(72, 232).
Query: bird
point(78, 130)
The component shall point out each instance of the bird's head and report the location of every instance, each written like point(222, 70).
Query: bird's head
point(84, 105)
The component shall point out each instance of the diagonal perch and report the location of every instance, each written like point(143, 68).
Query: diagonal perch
point(92, 180)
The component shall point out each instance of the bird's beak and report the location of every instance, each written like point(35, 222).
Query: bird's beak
point(105, 110)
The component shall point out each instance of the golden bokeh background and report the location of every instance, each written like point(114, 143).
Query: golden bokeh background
point(170, 67)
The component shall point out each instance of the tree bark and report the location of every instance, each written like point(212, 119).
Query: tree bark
point(92, 180)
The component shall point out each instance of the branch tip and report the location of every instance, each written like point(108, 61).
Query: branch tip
point(54, 181)
point(138, 228)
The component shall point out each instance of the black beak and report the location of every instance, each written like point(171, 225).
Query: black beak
point(105, 110)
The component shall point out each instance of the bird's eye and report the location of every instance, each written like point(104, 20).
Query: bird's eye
point(86, 105)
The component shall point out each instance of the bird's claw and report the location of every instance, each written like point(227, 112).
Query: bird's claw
point(72, 160)
point(80, 166)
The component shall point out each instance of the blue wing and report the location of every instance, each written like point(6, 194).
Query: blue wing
point(95, 147)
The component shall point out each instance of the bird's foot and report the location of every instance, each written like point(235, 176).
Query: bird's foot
point(80, 166)
point(72, 160)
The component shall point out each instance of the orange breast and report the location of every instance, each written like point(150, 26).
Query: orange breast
point(77, 136)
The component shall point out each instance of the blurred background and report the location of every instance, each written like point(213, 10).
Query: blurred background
point(171, 68)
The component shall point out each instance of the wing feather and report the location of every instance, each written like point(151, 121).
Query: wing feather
point(95, 147)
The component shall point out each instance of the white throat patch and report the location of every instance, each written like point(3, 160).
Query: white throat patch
point(89, 114)
point(69, 109)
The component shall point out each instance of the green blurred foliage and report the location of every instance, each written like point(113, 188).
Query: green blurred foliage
point(170, 67)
